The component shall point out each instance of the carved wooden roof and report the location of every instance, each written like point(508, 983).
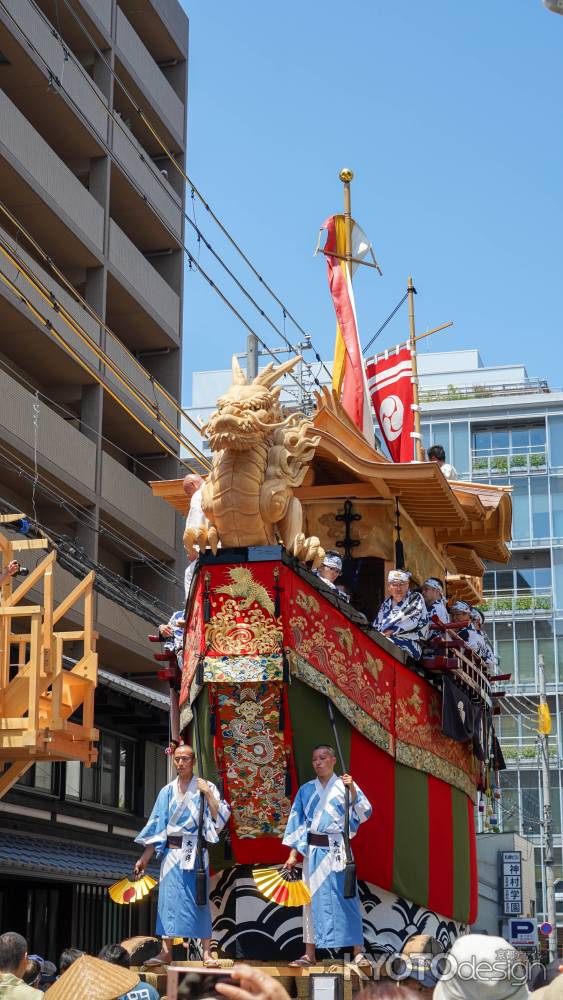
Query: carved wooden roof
point(471, 520)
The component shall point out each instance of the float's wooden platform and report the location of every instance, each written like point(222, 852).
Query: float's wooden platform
point(294, 980)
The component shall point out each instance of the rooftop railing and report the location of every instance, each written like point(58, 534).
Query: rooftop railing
point(484, 391)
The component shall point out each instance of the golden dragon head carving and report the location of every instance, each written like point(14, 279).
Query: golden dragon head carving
point(249, 412)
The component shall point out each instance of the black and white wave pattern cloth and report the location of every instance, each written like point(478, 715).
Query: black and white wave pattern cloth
point(245, 925)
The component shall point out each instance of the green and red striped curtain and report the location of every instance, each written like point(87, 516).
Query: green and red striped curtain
point(420, 840)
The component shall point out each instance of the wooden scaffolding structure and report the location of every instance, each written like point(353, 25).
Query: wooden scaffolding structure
point(46, 705)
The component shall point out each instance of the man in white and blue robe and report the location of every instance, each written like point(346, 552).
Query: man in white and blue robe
point(171, 832)
point(478, 619)
point(173, 635)
point(330, 569)
point(461, 611)
point(315, 829)
point(433, 594)
point(403, 617)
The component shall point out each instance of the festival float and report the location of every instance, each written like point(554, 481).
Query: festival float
point(270, 649)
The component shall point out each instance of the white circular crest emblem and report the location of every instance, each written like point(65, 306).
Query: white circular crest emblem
point(391, 415)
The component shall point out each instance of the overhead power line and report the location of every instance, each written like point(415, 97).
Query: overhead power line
point(61, 276)
point(69, 320)
point(119, 590)
point(125, 131)
point(193, 261)
point(69, 414)
point(178, 167)
point(385, 323)
point(83, 516)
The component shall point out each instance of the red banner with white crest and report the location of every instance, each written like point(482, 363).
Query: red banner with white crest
point(390, 386)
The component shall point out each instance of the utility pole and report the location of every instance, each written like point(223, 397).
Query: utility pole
point(547, 826)
point(251, 356)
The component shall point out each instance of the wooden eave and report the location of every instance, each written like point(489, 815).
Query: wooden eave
point(490, 524)
point(464, 588)
point(172, 491)
point(466, 560)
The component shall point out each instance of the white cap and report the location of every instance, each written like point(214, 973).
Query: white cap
point(398, 576)
point(433, 582)
point(482, 967)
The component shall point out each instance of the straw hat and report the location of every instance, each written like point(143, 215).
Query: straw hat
point(92, 978)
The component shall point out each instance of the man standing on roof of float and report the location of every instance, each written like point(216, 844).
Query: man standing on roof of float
point(403, 617)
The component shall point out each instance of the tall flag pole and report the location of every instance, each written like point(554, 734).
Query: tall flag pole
point(415, 406)
point(346, 245)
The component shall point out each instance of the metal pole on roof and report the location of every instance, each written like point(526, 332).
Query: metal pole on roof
point(416, 434)
point(251, 356)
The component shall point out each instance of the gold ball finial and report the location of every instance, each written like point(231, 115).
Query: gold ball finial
point(346, 175)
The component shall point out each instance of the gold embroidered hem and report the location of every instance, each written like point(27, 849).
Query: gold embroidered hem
point(424, 760)
point(361, 721)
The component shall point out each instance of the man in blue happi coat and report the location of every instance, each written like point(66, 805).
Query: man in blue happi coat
point(403, 617)
point(315, 829)
point(172, 832)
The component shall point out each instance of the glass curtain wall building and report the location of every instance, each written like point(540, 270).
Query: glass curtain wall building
point(499, 426)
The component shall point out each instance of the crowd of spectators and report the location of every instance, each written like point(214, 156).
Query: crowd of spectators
point(476, 967)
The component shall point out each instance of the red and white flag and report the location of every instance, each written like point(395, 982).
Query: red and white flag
point(390, 384)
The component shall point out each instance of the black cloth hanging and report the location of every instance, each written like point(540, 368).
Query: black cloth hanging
point(457, 712)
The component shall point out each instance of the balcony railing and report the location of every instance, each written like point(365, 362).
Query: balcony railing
point(511, 603)
point(509, 463)
point(445, 393)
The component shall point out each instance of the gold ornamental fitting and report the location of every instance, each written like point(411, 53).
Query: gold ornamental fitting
point(346, 175)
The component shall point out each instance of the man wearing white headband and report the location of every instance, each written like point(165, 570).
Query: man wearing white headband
point(403, 617)
point(330, 569)
point(433, 594)
point(461, 611)
point(478, 619)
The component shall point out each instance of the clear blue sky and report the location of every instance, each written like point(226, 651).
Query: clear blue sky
point(450, 114)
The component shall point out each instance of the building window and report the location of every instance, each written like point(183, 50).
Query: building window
point(460, 448)
point(556, 486)
point(504, 641)
point(557, 562)
point(555, 425)
point(525, 652)
point(517, 450)
point(110, 781)
point(41, 777)
point(530, 802)
point(546, 645)
point(510, 813)
point(520, 510)
point(540, 508)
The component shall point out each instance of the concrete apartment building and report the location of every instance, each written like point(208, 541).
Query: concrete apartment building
point(500, 426)
point(90, 183)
